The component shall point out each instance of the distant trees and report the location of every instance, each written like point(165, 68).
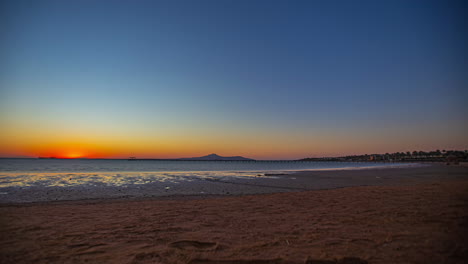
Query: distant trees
point(436, 155)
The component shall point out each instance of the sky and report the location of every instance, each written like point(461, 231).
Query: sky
point(261, 79)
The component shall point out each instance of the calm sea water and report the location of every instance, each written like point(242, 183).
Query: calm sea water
point(51, 172)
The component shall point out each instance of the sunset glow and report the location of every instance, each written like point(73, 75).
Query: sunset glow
point(233, 131)
point(73, 155)
point(162, 80)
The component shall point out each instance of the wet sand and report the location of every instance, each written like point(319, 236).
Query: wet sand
point(402, 216)
point(228, 186)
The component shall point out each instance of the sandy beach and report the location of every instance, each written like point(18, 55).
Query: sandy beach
point(417, 215)
point(233, 132)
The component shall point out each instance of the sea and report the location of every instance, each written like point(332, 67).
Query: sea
point(114, 172)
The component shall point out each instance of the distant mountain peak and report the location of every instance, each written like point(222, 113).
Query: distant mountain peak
point(214, 156)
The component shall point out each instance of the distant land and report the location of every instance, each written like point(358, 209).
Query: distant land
point(217, 157)
point(408, 156)
point(415, 156)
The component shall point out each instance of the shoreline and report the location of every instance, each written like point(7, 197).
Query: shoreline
point(385, 164)
point(297, 181)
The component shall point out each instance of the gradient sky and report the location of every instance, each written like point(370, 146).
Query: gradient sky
point(262, 79)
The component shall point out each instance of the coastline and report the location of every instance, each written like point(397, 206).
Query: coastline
point(419, 216)
point(237, 186)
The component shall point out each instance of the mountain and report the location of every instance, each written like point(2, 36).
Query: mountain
point(217, 157)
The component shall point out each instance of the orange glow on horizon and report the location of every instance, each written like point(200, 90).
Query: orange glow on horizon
point(74, 155)
point(277, 144)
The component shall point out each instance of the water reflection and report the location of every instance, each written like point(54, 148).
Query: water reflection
point(8, 179)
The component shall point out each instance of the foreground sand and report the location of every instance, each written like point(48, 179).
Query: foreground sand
point(421, 223)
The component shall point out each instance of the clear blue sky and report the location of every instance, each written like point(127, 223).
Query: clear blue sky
point(266, 79)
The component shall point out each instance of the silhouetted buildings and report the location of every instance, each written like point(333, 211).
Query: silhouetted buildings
point(431, 156)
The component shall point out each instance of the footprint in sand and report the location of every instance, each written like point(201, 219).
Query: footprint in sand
point(244, 261)
point(194, 245)
point(346, 260)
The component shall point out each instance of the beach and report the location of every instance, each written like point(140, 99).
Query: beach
point(233, 132)
point(234, 178)
point(405, 215)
